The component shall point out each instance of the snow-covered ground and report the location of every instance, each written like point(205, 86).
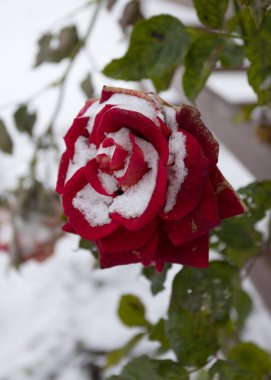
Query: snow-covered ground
point(48, 311)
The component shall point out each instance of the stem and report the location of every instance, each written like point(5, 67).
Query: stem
point(62, 87)
point(75, 11)
point(223, 33)
point(74, 54)
point(32, 96)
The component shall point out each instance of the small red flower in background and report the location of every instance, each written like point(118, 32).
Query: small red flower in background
point(139, 178)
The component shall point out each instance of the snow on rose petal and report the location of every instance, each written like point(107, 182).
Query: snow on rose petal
point(139, 179)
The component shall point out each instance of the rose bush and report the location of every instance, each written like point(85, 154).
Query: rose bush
point(139, 178)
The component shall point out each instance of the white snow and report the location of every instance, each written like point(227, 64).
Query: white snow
point(121, 137)
point(124, 102)
point(170, 117)
point(93, 206)
point(176, 169)
point(176, 172)
point(134, 201)
point(108, 181)
point(83, 152)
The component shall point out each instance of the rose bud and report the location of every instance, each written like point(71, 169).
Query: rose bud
point(139, 178)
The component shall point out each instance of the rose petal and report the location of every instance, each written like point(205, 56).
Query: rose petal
point(88, 103)
point(198, 222)
point(195, 253)
point(118, 159)
point(96, 124)
point(91, 173)
point(123, 240)
point(68, 228)
point(108, 260)
point(62, 172)
point(77, 129)
point(137, 167)
point(116, 118)
point(75, 217)
point(153, 100)
point(148, 252)
point(192, 188)
point(155, 204)
point(189, 119)
point(229, 203)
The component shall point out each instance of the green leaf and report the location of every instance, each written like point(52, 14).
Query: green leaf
point(156, 279)
point(242, 23)
point(211, 12)
point(131, 311)
point(191, 337)
point(6, 144)
point(54, 48)
point(89, 246)
point(257, 198)
point(144, 368)
point(157, 333)
point(242, 303)
point(257, 9)
point(209, 290)
point(117, 355)
point(131, 14)
point(200, 303)
point(24, 119)
point(232, 55)
point(226, 370)
point(163, 82)
point(200, 61)
point(87, 86)
point(250, 357)
point(242, 240)
point(259, 53)
point(157, 45)
point(202, 375)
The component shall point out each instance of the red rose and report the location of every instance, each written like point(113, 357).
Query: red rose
point(139, 178)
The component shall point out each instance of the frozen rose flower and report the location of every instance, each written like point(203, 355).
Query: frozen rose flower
point(139, 178)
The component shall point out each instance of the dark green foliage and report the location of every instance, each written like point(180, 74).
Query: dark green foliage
point(227, 370)
point(55, 48)
point(144, 368)
point(24, 119)
point(131, 14)
point(257, 9)
point(156, 279)
point(240, 237)
point(157, 333)
point(6, 144)
point(205, 290)
point(241, 240)
point(118, 354)
point(190, 336)
point(200, 298)
point(232, 55)
point(242, 304)
point(200, 61)
point(87, 86)
point(131, 311)
point(211, 12)
point(157, 45)
point(259, 53)
point(250, 357)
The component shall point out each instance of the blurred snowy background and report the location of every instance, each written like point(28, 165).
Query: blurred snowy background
point(59, 317)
